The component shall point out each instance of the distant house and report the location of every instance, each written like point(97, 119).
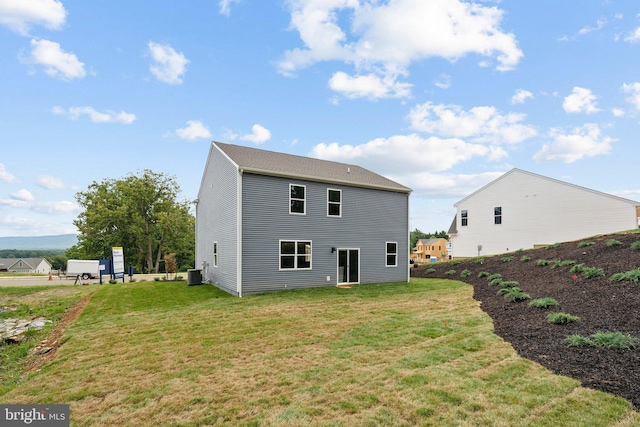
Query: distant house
point(427, 248)
point(269, 221)
point(522, 210)
point(25, 265)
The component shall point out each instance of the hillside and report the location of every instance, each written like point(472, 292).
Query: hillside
point(62, 241)
point(600, 303)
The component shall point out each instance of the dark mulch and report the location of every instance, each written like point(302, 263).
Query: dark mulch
point(601, 304)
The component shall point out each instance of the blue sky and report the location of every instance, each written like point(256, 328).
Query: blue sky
point(442, 96)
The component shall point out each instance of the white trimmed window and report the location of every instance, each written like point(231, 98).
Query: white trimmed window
point(295, 255)
point(392, 254)
point(497, 215)
point(297, 199)
point(334, 202)
point(215, 254)
point(464, 218)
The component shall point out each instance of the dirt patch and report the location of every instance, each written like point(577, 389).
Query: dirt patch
point(601, 304)
point(47, 350)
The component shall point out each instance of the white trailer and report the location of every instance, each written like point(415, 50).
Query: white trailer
point(85, 268)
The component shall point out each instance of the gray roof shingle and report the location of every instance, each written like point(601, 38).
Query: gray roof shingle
point(264, 162)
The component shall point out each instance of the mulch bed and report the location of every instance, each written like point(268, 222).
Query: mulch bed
point(601, 304)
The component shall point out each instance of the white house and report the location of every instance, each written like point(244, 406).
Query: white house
point(25, 265)
point(522, 210)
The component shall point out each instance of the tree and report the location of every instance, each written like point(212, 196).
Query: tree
point(139, 212)
point(417, 235)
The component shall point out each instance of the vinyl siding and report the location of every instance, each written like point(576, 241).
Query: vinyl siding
point(217, 221)
point(536, 211)
point(369, 219)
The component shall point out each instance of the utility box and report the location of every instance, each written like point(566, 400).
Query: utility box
point(194, 277)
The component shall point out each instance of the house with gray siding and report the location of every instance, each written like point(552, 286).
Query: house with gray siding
point(523, 210)
point(269, 221)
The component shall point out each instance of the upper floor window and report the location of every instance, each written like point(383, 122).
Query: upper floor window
point(464, 217)
point(215, 254)
point(334, 202)
point(497, 215)
point(392, 254)
point(295, 255)
point(297, 199)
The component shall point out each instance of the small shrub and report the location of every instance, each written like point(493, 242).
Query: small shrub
point(566, 262)
point(450, 272)
point(113, 281)
point(494, 276)
point(590, 272)
point(479, 260)
point(632, 275)
point(508, 258)
point(156, 279)
point(525, 258)
point(555, 245)
point(178, 277)
point(558, 318)
point(132, 280)
point(612, 243)
point(577, 340)
point(508, 284)
point(483, 274)
point(514, 294)
point(585, 244)
point(543, 262)
point(455, 262)
point(635, 245)
point(578, 268)
point(614, 340)
point(496, 281)
point(519, 251)
point(465, 273)
point(430, 270)
point(543, 302)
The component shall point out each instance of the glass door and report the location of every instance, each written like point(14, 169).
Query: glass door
point(348, 266)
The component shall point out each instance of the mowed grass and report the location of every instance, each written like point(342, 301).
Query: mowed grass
point(423, 353)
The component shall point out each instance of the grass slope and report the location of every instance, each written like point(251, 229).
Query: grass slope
point(154, 353)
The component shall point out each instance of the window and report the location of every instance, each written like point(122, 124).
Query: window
point(334, 202)
point(215, 254)
point(497, 215)
point(464, 217)
point(295, 255)
point(392, 254)
point(297, 199)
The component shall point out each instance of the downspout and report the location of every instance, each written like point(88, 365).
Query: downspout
point(408, 236)
point(239, 234)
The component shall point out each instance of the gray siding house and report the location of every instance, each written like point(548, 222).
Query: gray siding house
point(270, 221)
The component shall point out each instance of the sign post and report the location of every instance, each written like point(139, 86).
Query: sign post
point(118, 263)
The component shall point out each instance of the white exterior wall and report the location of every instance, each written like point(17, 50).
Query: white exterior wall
point(536, 211)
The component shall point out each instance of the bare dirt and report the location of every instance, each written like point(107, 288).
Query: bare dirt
point(601, 305)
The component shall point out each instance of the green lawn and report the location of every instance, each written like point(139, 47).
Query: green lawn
point(164, 353)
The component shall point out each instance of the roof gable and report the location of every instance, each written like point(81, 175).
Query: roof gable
point(262, 162)
point(542, 177)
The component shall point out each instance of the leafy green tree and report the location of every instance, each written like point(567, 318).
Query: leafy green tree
point(140, 213)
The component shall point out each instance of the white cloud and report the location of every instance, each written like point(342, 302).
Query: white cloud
point(627, 194)
point(369, 86)
point(23, 195)
point(169, 66)
point(481, 124)
point(521, 96)
point(633, 36)
point(6, 176)
point(581, 100)
point(443, 82)
point(412, 151)
point(74, 113)
point(42, 207)
point(194, 130)
point(376, 42)
point(599, 25)
point(50, 182)
point(617, 112)
point(57, 62)
point(259, 134)
point(20, 15)
point(435, 185)
point(225, 6)
point(634, 90)
point(585, 141)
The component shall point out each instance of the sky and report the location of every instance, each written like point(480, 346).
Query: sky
point(442, 96)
